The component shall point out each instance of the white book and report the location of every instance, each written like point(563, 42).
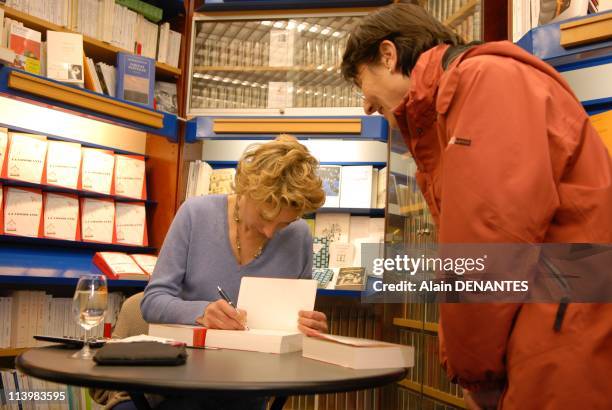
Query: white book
point(359, 228)
point(381, 194)
point(65, 57)
point(22, 211)
point(63, 164)
point(162, 48)
point(130, 224)
point(357, 188)
point(357, 353)
point(117, 265)
point(146, 262)
point(26, 157)
point(333, 226)
point(341, 254)
point(130, 176)
point(330, 176)
point(282, 43)
point(97, 170)
point(97, 220)
point(61, 216)
point(20, 320)
point(205, 171)
point(175, 41)
point(96, 80)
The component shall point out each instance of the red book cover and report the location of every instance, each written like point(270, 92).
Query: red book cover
point(129, 173)
point(56, 219)
point(88, 233)
point(126, 216)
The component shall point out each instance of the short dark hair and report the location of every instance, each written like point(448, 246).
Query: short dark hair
point(410, 27)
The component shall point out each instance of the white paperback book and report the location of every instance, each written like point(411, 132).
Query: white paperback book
point(341, 255)
point(357, 353)
point(97, 220)
point(333, 226)
point(61, 216)
point(22, 212)
point(97, 170)
point(129, 176)
point(146, 262)
point(65, 57)
point(272, 307)
point(358, 188)
point(130, 221)
point(122, 264)
point(63, 164)
point(26, 157)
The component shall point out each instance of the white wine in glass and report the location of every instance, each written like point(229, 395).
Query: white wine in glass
point(89, 305)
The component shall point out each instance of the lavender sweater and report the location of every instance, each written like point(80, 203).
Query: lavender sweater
point(196, 257)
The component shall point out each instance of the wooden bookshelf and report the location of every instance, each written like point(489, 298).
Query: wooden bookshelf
point(409, 323)
point(12, 352)
point(409, 384)
point(462, 13)
point(94, 48)
point(444, 397)
point(430, 327)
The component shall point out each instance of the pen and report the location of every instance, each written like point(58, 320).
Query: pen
point(229, 301)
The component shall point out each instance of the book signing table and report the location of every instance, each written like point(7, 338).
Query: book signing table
point(207, 372)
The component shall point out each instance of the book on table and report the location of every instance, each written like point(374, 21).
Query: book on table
point(272, 307)
point(357, 353)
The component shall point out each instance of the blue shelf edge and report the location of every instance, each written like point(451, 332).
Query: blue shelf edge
point(545, 42)
point(170, 121)
point(66, 281)
point(70, 245)
point(373, 128)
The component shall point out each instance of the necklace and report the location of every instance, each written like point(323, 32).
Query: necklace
point(237, 220)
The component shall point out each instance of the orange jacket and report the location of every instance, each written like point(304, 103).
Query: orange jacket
point(535, 171)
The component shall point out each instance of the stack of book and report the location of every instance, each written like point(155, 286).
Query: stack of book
point(26, 313)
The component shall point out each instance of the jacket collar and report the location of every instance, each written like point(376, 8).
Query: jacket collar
point(416, 114)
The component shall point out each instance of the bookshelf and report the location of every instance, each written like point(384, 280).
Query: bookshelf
point(94, 48)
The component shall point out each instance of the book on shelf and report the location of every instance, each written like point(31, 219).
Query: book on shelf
point(129, 179)
point(1, 209)
point(330, 176)
point(341, 254)
point(118, 265)
point(320, 252)
point(222, 180)
point(63, 164)
point(135, 78)
point(333, 226)
point(7, 56)
point(357, 353)
point(351, 279)
point(146, 262)
point(166, 97)
point(61, 216)
point(25, 43)
point(381, 188)
point(26, 157)
point(323, 276)
point(272, 307)
point(169, 45)
point(97, 166)
point(91, 79)
point(97, 220)
point(23, 212)
point(65, 57)
point(107, 77)
point(130, 224)
point(358, 186)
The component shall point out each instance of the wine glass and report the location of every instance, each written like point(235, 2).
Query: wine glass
point(89, 306)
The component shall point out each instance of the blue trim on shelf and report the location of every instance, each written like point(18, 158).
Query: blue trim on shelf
point(373, 128)
point(602, 60)
point(170, 121)
point(545, 42)
point(372, 212)
point(71, 245)
point(593, 107)
point(233, 164)
point(84, 194)
point(50, 265)
point(339, 292)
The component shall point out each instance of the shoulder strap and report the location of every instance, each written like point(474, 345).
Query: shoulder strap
point(454, 51)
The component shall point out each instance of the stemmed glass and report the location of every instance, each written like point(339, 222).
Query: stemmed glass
point(89, 305)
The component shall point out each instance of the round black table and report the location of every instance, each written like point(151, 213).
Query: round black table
point(207, 372)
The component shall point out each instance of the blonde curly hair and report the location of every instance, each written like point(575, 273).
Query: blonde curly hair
point(280, 173)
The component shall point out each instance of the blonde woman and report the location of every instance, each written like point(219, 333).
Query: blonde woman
point(217, 239)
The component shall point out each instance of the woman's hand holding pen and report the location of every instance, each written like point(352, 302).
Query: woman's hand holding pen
point(221, 315)
point(312, 323)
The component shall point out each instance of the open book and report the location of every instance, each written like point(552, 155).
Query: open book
point(357, 353)
point(272, 307)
